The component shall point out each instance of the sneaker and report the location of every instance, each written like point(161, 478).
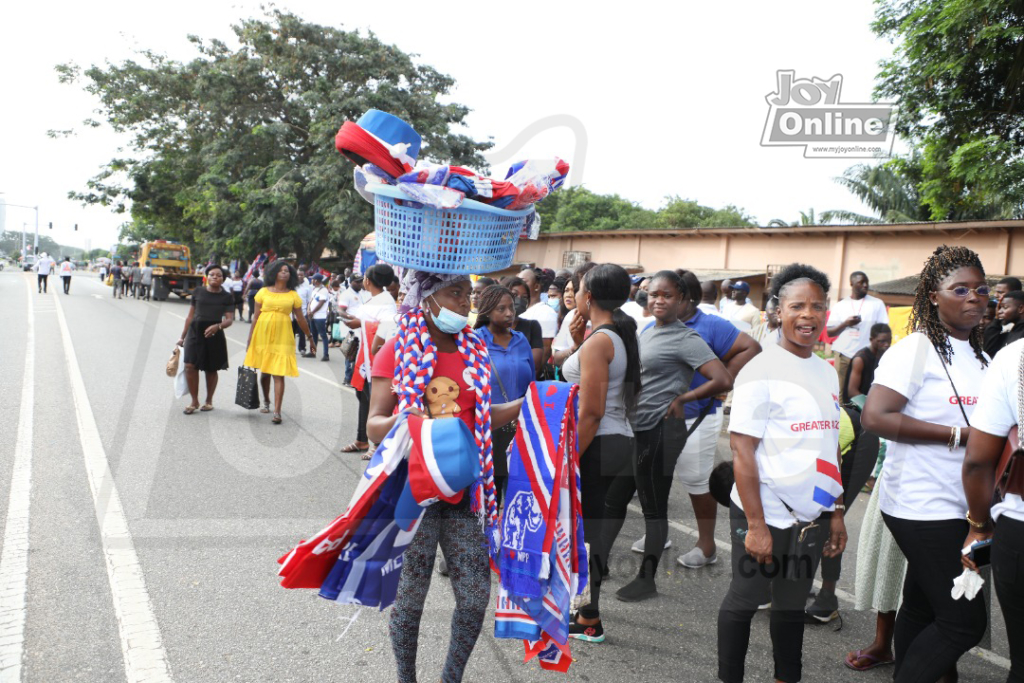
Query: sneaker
point(325, 358)
point(638, 547)
point(695, 559)
point(825, 607)
point(593, 633)
point(308, 355)
point(442, 566)
point(636, 590)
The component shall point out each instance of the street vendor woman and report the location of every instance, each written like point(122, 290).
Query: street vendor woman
point(437, 367)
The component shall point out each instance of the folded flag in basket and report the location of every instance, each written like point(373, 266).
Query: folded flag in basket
point(380, 139)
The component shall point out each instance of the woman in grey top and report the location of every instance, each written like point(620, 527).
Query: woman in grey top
point(670, 353)
point(607, 368)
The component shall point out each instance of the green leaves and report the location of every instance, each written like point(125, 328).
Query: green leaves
point(958, 75)
point(233, 151)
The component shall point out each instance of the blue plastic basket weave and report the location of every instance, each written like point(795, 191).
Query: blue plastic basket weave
point(475, 238)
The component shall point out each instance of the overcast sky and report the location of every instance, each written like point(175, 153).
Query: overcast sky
point(670, 97)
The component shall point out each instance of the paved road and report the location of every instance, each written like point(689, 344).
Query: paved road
point(152, 536)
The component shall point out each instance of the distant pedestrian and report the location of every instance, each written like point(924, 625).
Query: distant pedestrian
point(126, 278)
point(271, 345)
point(136, 281)
point(252, 287)
point(43, 267)
point(103, 272)
point(206, 347)
point(65, 270)
point(115, 279)
point(305, 291)
point(147, 281)
point(236, 285)
point(319, 307)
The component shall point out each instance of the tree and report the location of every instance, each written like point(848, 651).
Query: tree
point(578, 208)
point(958, 73)
point(233, 151)
point(686, 213)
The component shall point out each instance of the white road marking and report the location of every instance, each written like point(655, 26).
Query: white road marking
point(145, 660)
point(14, 560)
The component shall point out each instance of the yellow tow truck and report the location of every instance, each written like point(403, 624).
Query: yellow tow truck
point(172, 268)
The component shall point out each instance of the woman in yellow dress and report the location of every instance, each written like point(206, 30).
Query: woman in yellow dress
point(271, 345)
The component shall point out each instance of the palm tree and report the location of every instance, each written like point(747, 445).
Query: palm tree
point(805, 219)
point(890, 189)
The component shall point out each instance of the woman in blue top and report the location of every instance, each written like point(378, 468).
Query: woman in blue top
point(511, 367)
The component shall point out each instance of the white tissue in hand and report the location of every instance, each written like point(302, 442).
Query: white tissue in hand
point(967, 585)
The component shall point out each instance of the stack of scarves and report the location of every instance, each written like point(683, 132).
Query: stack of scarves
point(542, 560)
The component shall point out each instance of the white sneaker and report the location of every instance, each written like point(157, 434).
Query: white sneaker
point(695, 559)
point(638, 547)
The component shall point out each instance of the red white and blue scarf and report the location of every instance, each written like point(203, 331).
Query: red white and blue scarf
point(542, 560)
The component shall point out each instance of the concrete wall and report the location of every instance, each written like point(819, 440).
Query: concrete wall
point(883, 256)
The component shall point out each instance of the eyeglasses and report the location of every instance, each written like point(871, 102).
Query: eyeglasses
point(961, 292)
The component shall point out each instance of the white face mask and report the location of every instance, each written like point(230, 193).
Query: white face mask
point(449, 321)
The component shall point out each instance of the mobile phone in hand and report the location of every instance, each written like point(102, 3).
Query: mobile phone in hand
point(981, 553)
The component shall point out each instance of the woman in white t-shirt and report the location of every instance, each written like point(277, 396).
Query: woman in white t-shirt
point(785, 443)
point(925, 391)
point(380, 306)
point(1000, 408)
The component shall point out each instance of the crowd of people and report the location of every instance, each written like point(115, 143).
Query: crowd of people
point(663, 364)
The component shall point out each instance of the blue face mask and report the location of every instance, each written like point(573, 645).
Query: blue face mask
point(448, 321)
point(553, 303)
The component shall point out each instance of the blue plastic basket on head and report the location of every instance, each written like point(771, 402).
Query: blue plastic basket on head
point(472, 239)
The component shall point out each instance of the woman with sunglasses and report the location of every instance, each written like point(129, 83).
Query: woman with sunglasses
point(924, 393)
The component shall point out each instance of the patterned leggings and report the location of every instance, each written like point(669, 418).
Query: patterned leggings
point(458, 532)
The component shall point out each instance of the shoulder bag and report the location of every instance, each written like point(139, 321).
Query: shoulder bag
point(1010, 470)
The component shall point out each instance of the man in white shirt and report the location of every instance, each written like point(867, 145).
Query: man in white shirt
point(319, 305)
point(43, 267)
point(147, 283)
point(851, 321)
point(541, 312)
point(743, 314)
point(305, 292)
point(65, 269)
point(708, 293)
point(349, 302)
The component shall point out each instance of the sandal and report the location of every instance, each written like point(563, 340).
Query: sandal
point(872, 661)
point(206, 408)
point(354, 447)
point(276, 419)
point(190, 410)
point(266, 407)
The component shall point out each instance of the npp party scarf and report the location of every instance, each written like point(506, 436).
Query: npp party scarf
point(542, 560)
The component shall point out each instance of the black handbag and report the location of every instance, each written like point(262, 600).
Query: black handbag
point(350, 347)
point(247, 393)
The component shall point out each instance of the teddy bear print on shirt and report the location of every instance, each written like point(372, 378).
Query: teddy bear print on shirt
point(441, 396)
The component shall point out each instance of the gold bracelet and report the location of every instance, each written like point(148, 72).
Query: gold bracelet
point(974, 524)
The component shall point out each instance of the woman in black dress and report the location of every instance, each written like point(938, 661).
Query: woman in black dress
point(206, 347)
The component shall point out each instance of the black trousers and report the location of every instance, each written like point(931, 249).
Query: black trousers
point(296, 330)
point(363, 396)
point(1008, 577)
point(604, 462)
point(755, 584)
point(932, 629)
point(41, 282)
point(657, 451)
point(67, 283)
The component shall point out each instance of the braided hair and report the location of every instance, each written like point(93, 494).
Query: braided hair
point(415, 360)
point(487, 301)
point(924, 317)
